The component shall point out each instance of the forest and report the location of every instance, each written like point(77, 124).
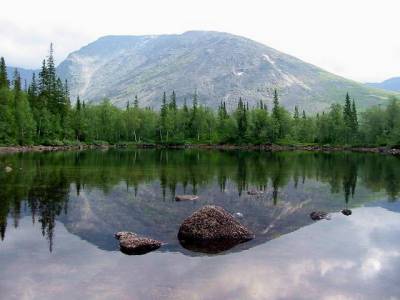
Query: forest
point(42, 113)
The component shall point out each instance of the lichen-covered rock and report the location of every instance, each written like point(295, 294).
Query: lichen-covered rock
point(320, 215)
point(186, 197)
point(131, 243)
point(212, 229)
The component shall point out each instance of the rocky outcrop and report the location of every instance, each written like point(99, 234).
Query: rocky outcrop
point(212, 229)
point(186, 197)
point(131, 243)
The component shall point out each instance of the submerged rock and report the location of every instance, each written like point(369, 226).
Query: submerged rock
point(8, 169)
point(186, 197)
point(131, 243)
point(254, 192)
point(319, 215)
point(347, 212)
point(212, 229)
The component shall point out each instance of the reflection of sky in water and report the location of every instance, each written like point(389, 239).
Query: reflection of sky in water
point(354, 257)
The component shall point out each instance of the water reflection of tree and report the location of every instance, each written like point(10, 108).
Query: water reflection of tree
point(42, 181)
point(42, 187)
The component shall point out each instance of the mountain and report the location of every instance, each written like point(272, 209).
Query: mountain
point(219, 66)
point(26, 74)
point(391, 84)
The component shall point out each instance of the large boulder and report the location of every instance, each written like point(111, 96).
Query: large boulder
point(212, 229)
point(131, 243)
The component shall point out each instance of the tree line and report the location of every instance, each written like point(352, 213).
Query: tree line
point(43, 114)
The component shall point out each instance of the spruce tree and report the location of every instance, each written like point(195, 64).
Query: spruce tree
point(163, 116)
point(136, 102)
point(348, 119)
point(4, 83)
point(347, 113)
point(275, 110)
point(296, 113)
point(172, 104)
point(354, 117)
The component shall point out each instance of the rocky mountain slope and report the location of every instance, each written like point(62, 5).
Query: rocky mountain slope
point(219, 66)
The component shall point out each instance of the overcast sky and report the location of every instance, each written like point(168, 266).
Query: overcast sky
point(358, 39)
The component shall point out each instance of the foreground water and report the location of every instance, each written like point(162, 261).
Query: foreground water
point(58, 213)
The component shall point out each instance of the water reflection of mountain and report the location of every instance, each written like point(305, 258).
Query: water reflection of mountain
point(96, 193)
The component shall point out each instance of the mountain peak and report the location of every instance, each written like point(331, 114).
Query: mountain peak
point(219, 65)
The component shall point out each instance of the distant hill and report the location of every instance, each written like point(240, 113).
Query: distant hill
point(219, 66)
point(391, 84)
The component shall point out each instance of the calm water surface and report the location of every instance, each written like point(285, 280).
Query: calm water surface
point(59, 211)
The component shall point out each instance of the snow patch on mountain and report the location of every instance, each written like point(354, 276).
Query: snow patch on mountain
point(288, 78)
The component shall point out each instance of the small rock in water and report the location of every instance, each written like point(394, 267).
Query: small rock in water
point(212, 229)
point(186, 197)
point(130, 243)
point(8, 169)
point(254, 192)
point(347, 212)
point(238, 215)
point(319, 215)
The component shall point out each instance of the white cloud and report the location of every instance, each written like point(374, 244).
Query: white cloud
point(356, 39)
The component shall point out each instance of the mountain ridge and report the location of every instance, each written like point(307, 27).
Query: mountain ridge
point(391, 84)
point(218, 66)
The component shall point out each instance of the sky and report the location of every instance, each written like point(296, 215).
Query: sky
point(357, 39)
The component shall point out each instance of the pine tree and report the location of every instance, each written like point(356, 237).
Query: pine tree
point(136, 102)
point(172, 104)
point(241, 117)
point(347, 113)
point(354, 117)
point(43, 78)
point(275, 110)
point(4, 83)
point(348, 119)
point(33, 91)
point(296, 113)
point(51, 70)
point(163, 116)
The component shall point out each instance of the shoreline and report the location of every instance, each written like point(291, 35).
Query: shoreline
point(266, 147)
point(41, 148)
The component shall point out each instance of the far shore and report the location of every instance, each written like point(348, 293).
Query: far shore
point(265, 147)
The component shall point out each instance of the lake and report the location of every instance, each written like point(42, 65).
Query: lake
point(59, 212)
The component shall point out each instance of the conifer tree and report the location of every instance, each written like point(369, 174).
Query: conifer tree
point(296, 113)
point(354, 117)
point(136, 102)
point(275, 110)
point(347, 113)
point(172, 104)
point(4, 83)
